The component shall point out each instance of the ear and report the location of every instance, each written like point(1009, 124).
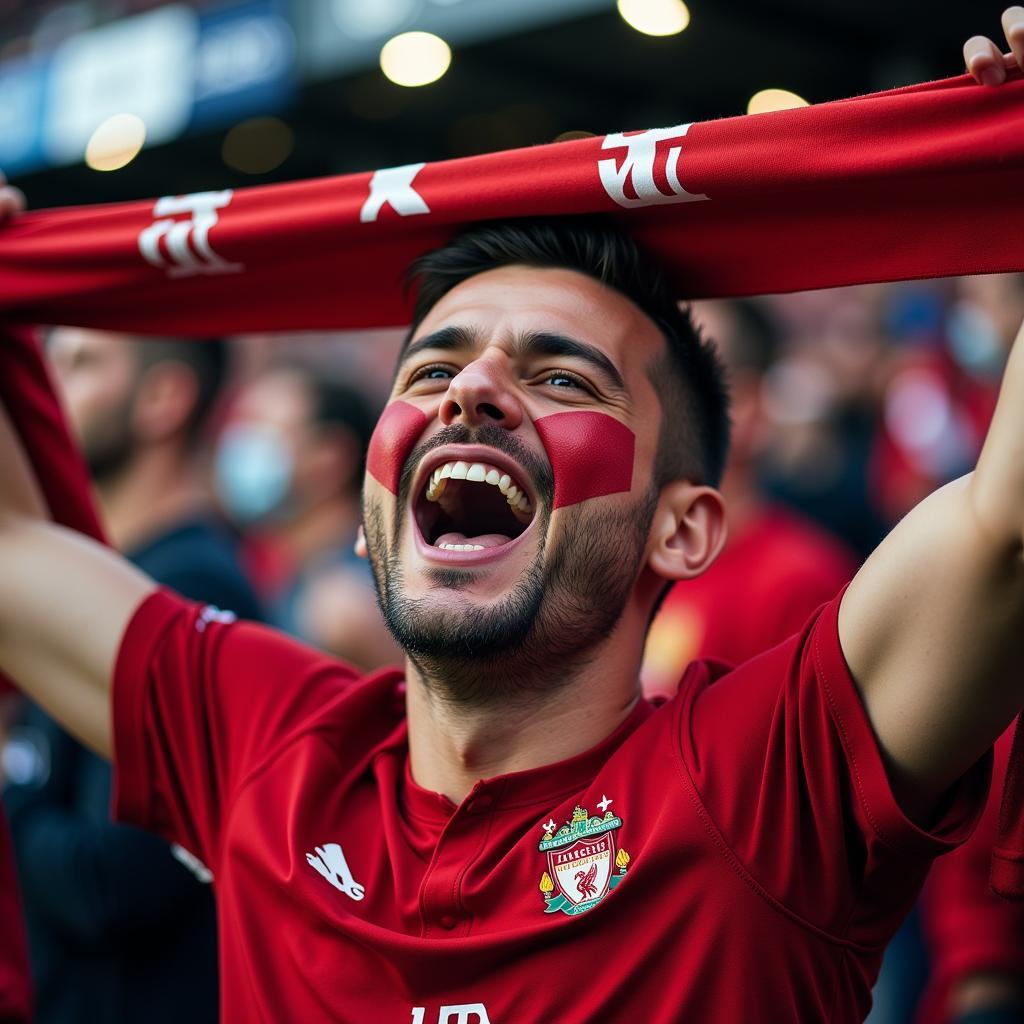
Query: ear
point(360, 547)
point(688, 531)
point(164, 398)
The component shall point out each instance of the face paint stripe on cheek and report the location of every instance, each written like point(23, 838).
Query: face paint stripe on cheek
point(591, 455)
point(399, 426)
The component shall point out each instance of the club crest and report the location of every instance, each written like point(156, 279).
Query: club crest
point(584, 864)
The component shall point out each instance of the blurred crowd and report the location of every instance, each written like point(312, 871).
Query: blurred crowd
point(230, 470)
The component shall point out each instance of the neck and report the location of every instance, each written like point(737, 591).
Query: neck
point(155, 491)
point(452, 747)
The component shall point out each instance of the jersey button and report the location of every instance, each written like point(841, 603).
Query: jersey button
point(481, 804)
point(448, 922)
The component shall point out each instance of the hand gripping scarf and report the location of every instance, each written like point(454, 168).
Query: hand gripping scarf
point(924, 181)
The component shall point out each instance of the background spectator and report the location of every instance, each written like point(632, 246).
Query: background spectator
point(777, 566)
point(120, 929)
point(289, 469)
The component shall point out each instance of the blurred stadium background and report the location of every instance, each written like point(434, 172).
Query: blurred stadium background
point(232, 93)
point(859, 401)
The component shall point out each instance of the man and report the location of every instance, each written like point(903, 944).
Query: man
point(289, 469)
point(120, 929)
point(525, 839)
point(778, 566)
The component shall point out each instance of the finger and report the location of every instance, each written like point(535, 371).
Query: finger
point(12, 201)
point(1013, 26)
point(984, 61)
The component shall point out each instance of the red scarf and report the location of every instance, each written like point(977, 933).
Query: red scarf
point(924, 181)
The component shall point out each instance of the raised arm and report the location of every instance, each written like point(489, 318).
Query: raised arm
point(64, 603)
point(64, 599)
point(933, 624)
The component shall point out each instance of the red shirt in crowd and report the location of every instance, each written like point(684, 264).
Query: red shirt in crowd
point(968, 929)
point(735, 854)
point(15, 984)
point(764, 586)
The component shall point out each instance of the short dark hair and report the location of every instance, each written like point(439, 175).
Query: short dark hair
point(688, 377)
point(205, 358)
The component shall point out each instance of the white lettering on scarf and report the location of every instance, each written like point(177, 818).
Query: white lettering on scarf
point(393, 186)
point(186, 242)
point(638, 167)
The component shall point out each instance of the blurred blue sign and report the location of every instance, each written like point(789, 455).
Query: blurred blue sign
point(245, 63)
point(342, 36)
point(22, 99)
point(175, 68)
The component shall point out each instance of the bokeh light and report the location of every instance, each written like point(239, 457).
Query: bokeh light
point(774, 99)
point(415, 58)
point(258, 145)
point(573, 135)
point(655, 17)
point(115, 143)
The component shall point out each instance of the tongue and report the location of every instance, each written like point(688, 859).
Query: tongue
point(485, 540)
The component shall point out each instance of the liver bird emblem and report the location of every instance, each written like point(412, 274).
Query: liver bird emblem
point(585, 882)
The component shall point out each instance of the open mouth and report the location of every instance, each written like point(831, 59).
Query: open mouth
point(470, 506)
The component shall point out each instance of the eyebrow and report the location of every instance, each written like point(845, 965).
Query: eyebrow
point(454, 338)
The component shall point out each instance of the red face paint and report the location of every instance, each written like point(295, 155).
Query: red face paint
point(399, 426)
point(591, 454)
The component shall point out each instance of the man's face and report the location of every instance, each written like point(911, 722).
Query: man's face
point(534, 380)
point(97, 373)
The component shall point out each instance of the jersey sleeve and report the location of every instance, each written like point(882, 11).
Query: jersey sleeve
point(200, 701)
point(784, 759)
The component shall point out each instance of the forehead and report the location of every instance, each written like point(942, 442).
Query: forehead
point(507, 302)
point(280, 396)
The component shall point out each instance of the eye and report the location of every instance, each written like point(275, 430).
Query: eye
point(435, 371)
point(568, 381)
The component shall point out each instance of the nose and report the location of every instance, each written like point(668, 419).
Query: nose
point(482, 392)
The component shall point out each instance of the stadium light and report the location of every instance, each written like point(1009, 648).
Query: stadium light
point(655, 17)
point(774, 99)
point(415, 58)
point(115, 143)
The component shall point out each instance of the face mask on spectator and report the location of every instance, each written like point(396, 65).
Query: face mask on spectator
point(253, 472)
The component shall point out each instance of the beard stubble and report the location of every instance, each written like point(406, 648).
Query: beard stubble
point(552, 622)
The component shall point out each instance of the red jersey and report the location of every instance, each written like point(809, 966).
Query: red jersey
point(734, 854)
point(15, 983)
point(968, 929)
point(762, 588)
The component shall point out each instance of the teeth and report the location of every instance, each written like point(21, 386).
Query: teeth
point(438, 482)
point(478, 472)
point(461, 547)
